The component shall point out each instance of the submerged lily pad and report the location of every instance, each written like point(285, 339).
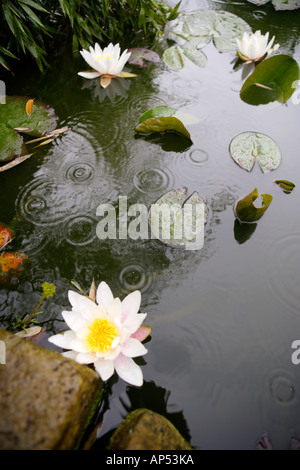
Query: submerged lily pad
point(141, 56)
point(245, 209)
point(178, 220)
point(272, 80)
point(288, 186)
point(15, 118)
point(162, 119)
point(248, 147)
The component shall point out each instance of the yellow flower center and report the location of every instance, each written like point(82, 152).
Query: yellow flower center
point(102, 333)
point(105, 57)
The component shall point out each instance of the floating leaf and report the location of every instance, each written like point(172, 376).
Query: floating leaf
point(5, 235)
point(228, 27)
point(11, 264)
point(158, 111)
point(13, 115)
point(178, 220)
point(28, 107)
point(200, 23)
point(172, 57)
point(192, 51)
point(286, 4)
point(288, 186)
point(15, 162)
point(247, 147)
point(245, 209)
point(272, 80)
point(140, 56)
point(259, 2)
point(163, 124)
point(142, 333)
point(92, 291)
point(29, 332)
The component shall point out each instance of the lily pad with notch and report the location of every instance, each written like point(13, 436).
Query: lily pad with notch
point(177, 219)
point(140, 56)
point(248, 147)
point(272, 80)
point(247, 211)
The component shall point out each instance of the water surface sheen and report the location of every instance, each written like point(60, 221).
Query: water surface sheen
point(224, 318)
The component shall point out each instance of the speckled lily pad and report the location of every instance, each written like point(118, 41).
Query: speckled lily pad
point(248, 147)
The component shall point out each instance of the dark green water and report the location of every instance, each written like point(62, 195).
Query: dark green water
point(224, 317)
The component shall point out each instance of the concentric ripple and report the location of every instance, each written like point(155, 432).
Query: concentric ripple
point(80, 172)
point(81, 230)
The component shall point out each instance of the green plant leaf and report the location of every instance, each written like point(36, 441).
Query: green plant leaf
point(288, 186)
point(272, 80)
point(245, 209)
point(163, 124)
point(174, 218)
point(248, 147)
point(14, 119)
point(286, 4)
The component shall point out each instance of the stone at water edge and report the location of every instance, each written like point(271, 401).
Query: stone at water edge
point(45, 398)
point(143, 429)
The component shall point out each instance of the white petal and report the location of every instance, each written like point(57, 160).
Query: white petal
point(134, 322)
point(74, 320)
point(79, 346)
point(86, 358)
point(114, 311)
point(84, 305)
point(104, 368)
point(122, 61)
point(130, 305)
point(104, 296)
point(133, 348)
point(70, 355)
point(89, 75)
point(63, 340)
point(128, 370)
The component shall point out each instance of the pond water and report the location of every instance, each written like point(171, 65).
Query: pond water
point(223, 317)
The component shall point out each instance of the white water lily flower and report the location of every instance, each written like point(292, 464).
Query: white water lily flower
point(106, 63)
point(103, 333)
point(254, 47)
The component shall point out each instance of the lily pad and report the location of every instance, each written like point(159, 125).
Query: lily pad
point(172, 57)
point(15, 119)
point(248, 147)
point(140, 57)
point(200, 23)
point(192, 50)
point(245, 209)
point(228, 28)
point(161, 119)
point(272, 80)
point(288, 186)
point(243, 232)
point(178, 220)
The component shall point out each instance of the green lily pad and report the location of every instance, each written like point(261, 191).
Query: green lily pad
point(288, 186)
point(192, 50)
point(15, 120)
point(245, 209)
point(178, 220)
point(272, 80)
point(161, 119)
point(200, 23)
point(158, 111)
point(248, 147)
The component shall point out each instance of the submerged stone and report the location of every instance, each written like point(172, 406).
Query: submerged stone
point(45, 398)
point(145, 430)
